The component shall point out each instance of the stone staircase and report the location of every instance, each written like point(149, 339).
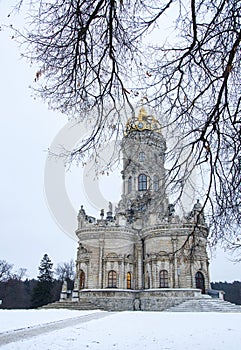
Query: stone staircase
point(71, 305)
point(205, 305)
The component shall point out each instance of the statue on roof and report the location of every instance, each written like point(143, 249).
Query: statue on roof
point(110, 207)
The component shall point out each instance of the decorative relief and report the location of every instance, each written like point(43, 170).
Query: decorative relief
point(82, 249)
point(82, 253)
point(111, 255)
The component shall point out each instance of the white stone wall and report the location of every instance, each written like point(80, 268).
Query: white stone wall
point(145, 237)
point(143, 255)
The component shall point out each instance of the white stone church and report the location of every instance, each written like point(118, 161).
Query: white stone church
point(142, 256)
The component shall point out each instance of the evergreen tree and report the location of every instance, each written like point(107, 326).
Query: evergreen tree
point(45, 270)
point(42, 293)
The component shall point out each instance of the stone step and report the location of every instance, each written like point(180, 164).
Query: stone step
point(205, 305)
point(71, 305)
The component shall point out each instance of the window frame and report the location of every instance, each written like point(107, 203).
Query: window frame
point(163, 279)
point(129, 186)
point(112, 279)
point(141, 156)
point(128, 280)
point(142, 182)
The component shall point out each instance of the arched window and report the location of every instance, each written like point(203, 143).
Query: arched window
point(155, 183)
point(199, 279)
point(163, 279)
point(112, 279)
point(142, 182)
point(130, 184)
point(141, 157)
point(81, 279)
point(128, 280)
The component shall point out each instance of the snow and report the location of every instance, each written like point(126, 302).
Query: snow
point(130, 331)
point(18, 319)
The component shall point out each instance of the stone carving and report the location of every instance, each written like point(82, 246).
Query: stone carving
point(82, 251)
point(64, 287)
point(171, 210)
point(197, 207)
point(76, 284)
point(90, 219)
point(109, 217)
point(82, 211)
point(197, 214)
point(110, 207)
point(137, 305)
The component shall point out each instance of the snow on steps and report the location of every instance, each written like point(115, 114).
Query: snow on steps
point(205, 305)
point(71, 305)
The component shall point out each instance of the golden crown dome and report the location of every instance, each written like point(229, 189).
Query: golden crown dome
point(142, 122)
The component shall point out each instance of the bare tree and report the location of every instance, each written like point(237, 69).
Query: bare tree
point(19, 274)
point(5, 270)
point(233, 244)
point(94, 58)
point(65, 271)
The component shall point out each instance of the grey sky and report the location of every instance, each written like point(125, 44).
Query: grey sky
point(28, 128)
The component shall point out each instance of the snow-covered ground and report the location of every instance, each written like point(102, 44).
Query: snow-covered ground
point(127, 330)
point(19, 319)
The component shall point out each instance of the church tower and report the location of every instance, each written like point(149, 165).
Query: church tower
point(144, 200)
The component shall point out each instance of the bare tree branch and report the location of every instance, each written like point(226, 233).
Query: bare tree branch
point(94, 61)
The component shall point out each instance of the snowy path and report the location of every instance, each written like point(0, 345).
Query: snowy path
point(25, 333)
point(128, 330)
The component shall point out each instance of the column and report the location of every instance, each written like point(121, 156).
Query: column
point(152, 279)
point(174, 264)
point(100, 274)
point(120, 268)
point(139, 266)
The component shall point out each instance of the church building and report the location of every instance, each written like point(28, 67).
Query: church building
point(141, 256)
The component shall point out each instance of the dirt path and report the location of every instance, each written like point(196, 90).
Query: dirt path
point(29, 332)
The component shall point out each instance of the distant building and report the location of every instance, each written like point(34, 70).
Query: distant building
point(141, 255)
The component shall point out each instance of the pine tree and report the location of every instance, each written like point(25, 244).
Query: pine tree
point(42, 293)
point(45, 270)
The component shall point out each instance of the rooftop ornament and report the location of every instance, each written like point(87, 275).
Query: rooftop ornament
point(143, 122)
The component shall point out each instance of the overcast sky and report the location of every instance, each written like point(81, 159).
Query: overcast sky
point(28, 128)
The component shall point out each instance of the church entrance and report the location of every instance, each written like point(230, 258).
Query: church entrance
point(82, 279)
point(199, 278)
